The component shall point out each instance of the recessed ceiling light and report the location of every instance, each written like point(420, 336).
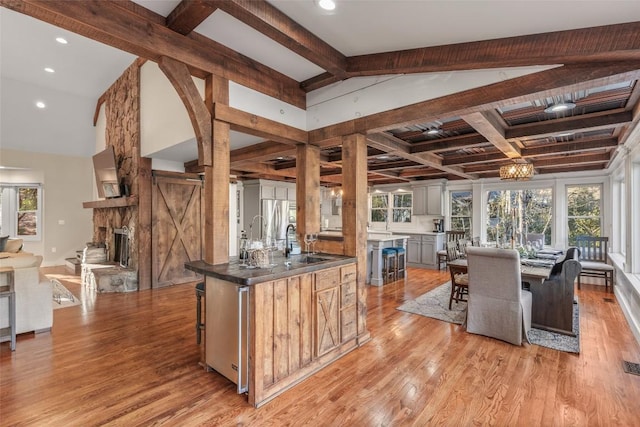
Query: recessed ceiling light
point(433, 131)
point(383, 157)
point(327, 4)
point(563, 106)
point(40, 104)
point(49, 70)
point(61, 40)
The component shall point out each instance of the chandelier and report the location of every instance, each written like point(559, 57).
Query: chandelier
point(516, 172)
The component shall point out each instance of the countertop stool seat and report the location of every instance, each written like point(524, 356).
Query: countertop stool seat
point(388, 265)
point(200, 292)
point(7, 291)
point(401, 262)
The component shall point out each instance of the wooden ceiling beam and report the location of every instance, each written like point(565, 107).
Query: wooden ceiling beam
point(387, 166)
point(569, 147)
point(487, 125)
point(124, 28)
point(565, 79)
point(274, 24)
point(252, 124)
point(397, 147)
point(262, 151)
point(585, 122)
point(188, 14)
point(447, 144)
point(618, 42)
point(573, 160)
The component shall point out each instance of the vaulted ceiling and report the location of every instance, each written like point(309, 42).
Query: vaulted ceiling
point(463, 135)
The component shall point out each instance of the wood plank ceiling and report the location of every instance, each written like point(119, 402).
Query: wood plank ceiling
point(467, 135)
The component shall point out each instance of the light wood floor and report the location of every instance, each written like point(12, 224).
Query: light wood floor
point(131, 359)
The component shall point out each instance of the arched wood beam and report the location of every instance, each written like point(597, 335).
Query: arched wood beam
point(179, 76)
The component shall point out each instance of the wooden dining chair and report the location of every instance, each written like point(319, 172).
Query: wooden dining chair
point(593, 259)
point(451, 236)
point(459, 276)
point(536, 240)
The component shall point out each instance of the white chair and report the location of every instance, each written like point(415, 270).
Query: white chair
point(498, 307)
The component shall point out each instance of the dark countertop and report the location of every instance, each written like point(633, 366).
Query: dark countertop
point(233, 272)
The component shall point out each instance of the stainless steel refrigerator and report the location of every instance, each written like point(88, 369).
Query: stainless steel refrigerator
point(277, 215)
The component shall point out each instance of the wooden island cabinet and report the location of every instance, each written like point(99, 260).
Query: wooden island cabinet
point(301, 318)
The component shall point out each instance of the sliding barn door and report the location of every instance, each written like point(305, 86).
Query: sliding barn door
point(176, 229)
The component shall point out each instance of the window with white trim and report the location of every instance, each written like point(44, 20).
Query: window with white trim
point(460, 208)
point(379, 207)
point(584, 211)
point(402, 205)
point(21, 211)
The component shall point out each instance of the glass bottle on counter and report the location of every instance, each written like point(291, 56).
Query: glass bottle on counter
point(243, 254)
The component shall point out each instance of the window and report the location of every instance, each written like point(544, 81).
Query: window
point(21, 211)
point(461, 209)
point(512, 214)
point(395, 207)
point(402, 204)
point(379, 207)
point(584, 211)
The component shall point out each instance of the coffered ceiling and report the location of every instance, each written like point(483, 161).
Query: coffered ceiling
point(288, 49)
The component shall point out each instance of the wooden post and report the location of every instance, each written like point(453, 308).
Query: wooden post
point(354, 217)
point(143, 234)
point(216, 179)
point(307, 190)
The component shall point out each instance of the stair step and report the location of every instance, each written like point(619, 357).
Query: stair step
point(74, 265)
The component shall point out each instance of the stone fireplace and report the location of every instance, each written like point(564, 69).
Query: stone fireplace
point(105, 266)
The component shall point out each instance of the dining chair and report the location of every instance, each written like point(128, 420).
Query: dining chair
point(593, 259)
point(450, 236)
point(498, 307)
point(459, 284)
point(459, 276)
point(553, 299)
point(462, 247)
point(536, 240)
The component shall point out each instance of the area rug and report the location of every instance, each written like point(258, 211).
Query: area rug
point(62, 297)
point(435, 304)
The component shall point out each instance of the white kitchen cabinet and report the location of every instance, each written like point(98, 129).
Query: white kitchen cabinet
point(427, 200)
point(281, 193)
point(414, 249)
point(428, 251)
point(422, 249)
point(434, 200)
point(420, 201)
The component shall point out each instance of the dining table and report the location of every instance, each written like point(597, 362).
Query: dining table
point(551, 299)
point(531, 271)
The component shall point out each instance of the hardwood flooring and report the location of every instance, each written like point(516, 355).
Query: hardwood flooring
point(131, 359)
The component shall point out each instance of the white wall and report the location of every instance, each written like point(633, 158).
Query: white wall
point(67, 181)
point(164, 120)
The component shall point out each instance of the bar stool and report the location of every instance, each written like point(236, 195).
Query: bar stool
point(388, 265)
point(7, 291)
point(401, 262)
point(199, 323)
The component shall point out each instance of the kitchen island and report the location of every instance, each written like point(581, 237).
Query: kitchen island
point(376, 242)
point(267, 329)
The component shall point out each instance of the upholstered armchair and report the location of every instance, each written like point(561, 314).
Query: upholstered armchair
point(498, 307)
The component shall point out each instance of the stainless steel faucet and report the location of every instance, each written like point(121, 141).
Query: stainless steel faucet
point(287, 249)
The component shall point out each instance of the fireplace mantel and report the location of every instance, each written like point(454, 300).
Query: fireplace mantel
point(118, 202)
